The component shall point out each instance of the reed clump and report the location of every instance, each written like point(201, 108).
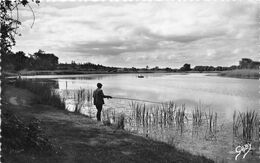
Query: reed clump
point(110, 118)
point(246, 125)
point(138, 111)
point(45, 93)
point(106, 118)
point(211, 128)
point(79, 99)
point(166, 115)
point(180, 117)
point(169, 109)
point(197, 119)
point(236, 124)
point(89, 95)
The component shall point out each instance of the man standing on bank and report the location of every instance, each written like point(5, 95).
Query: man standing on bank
point(99, 96)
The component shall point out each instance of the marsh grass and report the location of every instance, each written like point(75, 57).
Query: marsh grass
point(45, 93)
point(180, 117)
point(106, 117)
point(169, 111)
point(236, 124)
point(197, 119)
point(166, 115)
point(89, 95)
point(211, 127)
point(246, 126)
point(79, 99)
point(249, 121)
point(242, 73)
point(109, 117)
point(138, 112)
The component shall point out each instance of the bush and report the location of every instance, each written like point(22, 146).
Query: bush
point(19, 136)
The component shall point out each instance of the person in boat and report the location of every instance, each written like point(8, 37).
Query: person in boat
point(19, 75)
point(98, 97)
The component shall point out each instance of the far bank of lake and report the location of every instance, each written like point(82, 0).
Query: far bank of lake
point(237, 73)
point(242, 73)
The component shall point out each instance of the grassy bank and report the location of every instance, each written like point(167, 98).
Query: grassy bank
point(20, 135)
point(242, 73)
point(23, 138)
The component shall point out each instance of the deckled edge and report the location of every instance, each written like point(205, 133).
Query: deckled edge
point(147, 0)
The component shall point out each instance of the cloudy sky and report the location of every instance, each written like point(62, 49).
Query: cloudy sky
point(164, 34)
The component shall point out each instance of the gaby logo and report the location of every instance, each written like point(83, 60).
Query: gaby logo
point(245, 149)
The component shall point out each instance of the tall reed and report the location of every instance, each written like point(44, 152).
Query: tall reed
point(160, 116)
point(79, 99)
point(246, 126)
point(236, 124)
point(249, 121)
point(180, 117)
point(211, 120)
point(196, 119)
point(89, 94)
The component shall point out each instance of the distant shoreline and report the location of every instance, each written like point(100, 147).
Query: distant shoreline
point(239, 73)
point(71, 72)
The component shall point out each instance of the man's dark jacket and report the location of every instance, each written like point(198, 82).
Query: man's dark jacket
point(98, 96)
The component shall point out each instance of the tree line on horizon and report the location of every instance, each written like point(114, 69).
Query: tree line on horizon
point(40, 60)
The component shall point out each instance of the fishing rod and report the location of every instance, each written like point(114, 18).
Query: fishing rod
point(134, 99)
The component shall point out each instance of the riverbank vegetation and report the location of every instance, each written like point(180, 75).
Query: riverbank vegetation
point(172, 123)
point(44, 90)
point(242, 73)
point(169, 115)
point(201, 122)
point(246, 126)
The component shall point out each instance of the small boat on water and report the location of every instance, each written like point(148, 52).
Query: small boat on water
point(140, 76)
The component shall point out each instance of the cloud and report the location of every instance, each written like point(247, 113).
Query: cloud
point(138, 34)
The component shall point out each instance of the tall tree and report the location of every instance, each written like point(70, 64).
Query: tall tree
point(10, 23)
point(45, 61)
point(186, 67)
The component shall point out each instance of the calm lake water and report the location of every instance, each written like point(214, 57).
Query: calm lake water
point(222, 95)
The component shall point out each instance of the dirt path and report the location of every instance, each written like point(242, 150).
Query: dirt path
point(84, 140)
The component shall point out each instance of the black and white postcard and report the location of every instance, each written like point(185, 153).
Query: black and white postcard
point(140, 81)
